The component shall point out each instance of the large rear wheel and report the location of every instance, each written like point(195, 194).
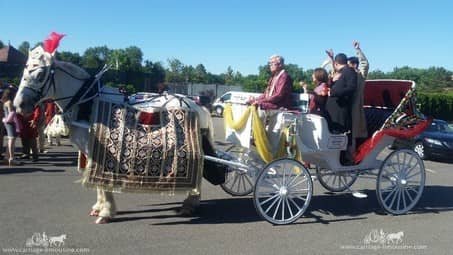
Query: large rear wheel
point(400, 181)
point(283, 191)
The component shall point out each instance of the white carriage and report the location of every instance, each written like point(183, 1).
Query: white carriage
point(282, 188)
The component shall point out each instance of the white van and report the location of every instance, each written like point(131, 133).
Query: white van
point(237, 97)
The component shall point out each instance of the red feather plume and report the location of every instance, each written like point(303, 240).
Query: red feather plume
point(52, 42)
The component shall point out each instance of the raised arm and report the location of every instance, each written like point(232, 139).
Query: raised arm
point(364, 66)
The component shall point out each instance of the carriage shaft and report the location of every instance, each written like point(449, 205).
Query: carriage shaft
point(238, 165)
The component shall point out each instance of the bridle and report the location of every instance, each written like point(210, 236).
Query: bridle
point(83, 94)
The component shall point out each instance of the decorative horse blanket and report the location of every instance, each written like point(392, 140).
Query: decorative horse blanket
point(129, 153)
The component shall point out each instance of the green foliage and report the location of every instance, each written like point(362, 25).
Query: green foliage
point(68, 56)
point(24, 47)
point(438, 105)
point(1, 44)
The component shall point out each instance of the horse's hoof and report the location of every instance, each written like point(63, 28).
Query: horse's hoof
point(94, 213)
point(102, 220)
point(186, 211)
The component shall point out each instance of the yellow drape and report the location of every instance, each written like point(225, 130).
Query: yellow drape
point(228, 118)
point(259, 133)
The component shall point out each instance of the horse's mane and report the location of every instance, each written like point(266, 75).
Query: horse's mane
point(73, 69)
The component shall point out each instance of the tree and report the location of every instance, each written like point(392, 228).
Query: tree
point(200, 74)
point(24, 47)
point(95, 57)
point(175, 71)
point(155, 70)
point(1, 44)
point(70, 57)
point(229, 76)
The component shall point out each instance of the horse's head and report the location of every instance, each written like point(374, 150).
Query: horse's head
point(35, 80)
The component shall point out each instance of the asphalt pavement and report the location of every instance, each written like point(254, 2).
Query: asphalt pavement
point(44, 199)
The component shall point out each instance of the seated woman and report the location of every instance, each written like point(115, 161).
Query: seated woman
point(319, 96)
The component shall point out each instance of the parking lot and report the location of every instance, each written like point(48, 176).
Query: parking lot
point(44, 197)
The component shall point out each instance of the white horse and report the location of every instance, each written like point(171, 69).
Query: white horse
point(45, 77)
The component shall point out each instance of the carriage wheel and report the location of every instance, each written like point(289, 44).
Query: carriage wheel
point(239, 182)
point(400, 181)
point(335, 181)
point(283, 191)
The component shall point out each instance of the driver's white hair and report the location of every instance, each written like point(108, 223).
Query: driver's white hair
point(279, 58)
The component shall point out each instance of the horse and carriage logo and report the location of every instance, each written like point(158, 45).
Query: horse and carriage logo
point(382, 238)
point(42, 240)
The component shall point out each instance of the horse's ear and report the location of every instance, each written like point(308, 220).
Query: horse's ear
point(52, 42)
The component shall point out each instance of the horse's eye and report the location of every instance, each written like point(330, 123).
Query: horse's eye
point(41, 76)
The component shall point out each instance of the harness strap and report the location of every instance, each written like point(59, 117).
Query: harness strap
point(85, 89)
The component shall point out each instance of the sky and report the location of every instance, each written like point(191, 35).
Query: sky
point(240, 33)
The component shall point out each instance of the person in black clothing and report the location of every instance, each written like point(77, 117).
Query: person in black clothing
point(341, 91)
point(339, 102)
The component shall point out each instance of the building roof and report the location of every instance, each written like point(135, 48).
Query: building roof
point(11, 55)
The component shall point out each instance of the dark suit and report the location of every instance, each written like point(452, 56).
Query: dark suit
point(339, 103)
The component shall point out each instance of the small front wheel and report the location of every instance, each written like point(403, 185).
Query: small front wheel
point(335, 181)
point(239, 182)
point(283, 191)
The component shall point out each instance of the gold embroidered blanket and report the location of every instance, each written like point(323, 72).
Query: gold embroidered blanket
point(129, 154)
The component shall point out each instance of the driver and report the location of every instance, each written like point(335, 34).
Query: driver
point(278, 95)
point(279, 88)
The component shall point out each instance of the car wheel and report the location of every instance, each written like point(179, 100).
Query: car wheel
point(419, 148)
point(219, 111)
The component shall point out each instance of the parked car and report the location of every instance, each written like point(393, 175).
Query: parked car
point(435, 142)
point(236, 97)
point(203, 101)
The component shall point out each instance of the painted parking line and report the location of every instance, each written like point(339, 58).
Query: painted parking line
point(431, 171)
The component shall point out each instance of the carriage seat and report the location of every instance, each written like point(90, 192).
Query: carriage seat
point(376, 117)
point(315, 134)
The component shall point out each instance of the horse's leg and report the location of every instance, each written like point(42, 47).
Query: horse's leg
point(108, 210)
point(100, 200)
point(191, 203)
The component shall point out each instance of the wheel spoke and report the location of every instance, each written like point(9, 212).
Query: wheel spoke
point(415, 174)
point(289, 207)
point(388, 189)
point(393, 199)
point(408, 195)
point(412, 188)
point(300, 182)
point(284, 175)
point(244, 182)
point(276, 207)
point(409, 164)
point(293, 179)
point(283, 209)
point(294, 203)
point(398, 200)
point(249, 181)
point(236, 177)
point(404, 197)
point(269, 199)
point(411, 169)
point(389, 194)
